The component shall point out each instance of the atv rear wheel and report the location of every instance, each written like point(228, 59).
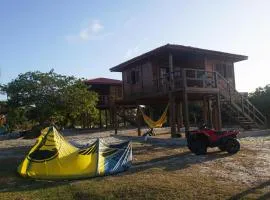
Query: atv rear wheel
point(232, 146)
point(199, 147)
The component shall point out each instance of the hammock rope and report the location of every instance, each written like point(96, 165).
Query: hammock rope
point(155, 124)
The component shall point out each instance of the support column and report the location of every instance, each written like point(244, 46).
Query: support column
point(177, 108)
point(210, 113)
point(124, 114)
point(219, 120)
point(115, 121)
point(172, 97)
point(151, 113)
point(138, 118)
point(106, 118)
point(100, 123)
point(186, 116)
point(181, 114)
point(205, 110)
point(172, 114)
point(111, 121)
point(185, 101)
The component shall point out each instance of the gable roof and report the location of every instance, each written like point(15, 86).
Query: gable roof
point(103, 81)
point(179, 48)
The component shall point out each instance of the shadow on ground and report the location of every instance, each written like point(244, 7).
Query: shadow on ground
point(10, 181)
point(162, 142)
point(176, 161)
point(254, 190)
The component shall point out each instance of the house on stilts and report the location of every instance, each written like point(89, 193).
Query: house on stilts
point(181, 74)
point(109, 91)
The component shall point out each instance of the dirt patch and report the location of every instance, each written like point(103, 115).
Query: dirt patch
point(250, 166)
point(163, 168)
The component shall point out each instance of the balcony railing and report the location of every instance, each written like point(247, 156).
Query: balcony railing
point(240, 102)
point(205, 80)
point(195, 78)
point(104, 100)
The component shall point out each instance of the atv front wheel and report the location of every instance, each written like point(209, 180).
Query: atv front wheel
point(232, 146)
point(199, 147)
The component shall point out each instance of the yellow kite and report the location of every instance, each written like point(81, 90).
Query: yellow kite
point(52, 157)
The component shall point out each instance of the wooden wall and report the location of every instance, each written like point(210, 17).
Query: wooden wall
point(116, 92)
point(149, 70)
point(144, 79)
point(227, 67)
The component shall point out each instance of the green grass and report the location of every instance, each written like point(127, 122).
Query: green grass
point(158, 173)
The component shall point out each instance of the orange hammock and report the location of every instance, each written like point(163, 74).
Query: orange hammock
point(155, 124)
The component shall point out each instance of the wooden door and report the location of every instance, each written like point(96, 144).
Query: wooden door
point(147, 78)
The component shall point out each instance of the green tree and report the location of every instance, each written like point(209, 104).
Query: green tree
point(261, 99)
point(48, 97)
point(80, 104)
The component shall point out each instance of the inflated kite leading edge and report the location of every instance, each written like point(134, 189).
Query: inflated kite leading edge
point(52, 157)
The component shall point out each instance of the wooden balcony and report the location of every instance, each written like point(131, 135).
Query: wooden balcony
point(193, 80)
point(197, 83)
point(186, 78)
point(105, 101)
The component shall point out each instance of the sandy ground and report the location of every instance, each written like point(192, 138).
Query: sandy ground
point(250, 166)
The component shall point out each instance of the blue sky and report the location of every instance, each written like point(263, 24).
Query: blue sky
point(86, 38)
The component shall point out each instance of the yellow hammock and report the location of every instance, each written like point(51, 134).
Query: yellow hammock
point(158, 123)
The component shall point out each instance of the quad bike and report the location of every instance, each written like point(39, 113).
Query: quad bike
point(199, 140)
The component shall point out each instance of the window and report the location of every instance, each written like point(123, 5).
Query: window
point(221, 68)
point(164, 73)
point(134, 76)
point(229, 71)
point(226, 70)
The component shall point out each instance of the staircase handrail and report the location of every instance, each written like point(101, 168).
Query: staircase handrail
point(257, 112)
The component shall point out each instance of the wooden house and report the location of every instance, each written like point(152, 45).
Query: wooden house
point(178, 74)
point(109, 91)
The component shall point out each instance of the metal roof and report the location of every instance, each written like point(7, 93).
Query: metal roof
point(173, 48)
point(103, 81)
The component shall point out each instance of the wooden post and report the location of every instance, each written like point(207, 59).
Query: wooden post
point(115, 121)
point(138, 120)
point(100, 123)
point(124, 114)
point(181, 115)
point(151, 113)
point(219, 120)
point(177, 108)
point(185, 101)
point(171, 72)
point(186, 116)
point(172, 114)
point(106, 118)
point(205, 110)
point(172, 97)
point(210, 113)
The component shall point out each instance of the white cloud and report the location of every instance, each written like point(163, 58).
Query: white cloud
point(132, 51)
point(92, 31)
point(96, 26)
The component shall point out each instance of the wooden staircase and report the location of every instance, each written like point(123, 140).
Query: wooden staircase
point(238, 106)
